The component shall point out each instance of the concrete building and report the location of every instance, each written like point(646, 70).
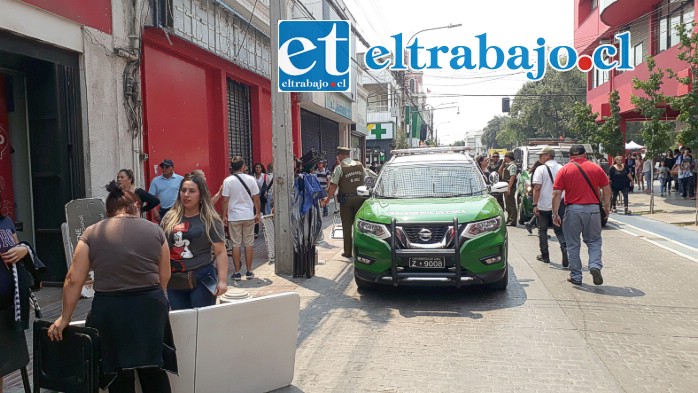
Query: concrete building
point(651, 24)
point(70, 119)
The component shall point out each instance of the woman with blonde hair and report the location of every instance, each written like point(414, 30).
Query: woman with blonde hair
point(194, 230)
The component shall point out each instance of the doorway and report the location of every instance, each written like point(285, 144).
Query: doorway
point(42, 107)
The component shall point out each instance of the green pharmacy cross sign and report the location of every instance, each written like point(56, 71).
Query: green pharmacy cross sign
point(379, 131)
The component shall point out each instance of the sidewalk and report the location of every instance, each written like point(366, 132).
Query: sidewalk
point(266, 282)
point(669, 209)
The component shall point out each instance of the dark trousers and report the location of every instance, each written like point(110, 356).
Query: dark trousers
point(347, 211)
point(510, 201)
point(153, 380)
point(687, 187)
point(500, 200)
point(545, 220)
point(614, 199)
point(163, 212)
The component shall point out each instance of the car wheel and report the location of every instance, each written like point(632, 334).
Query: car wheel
point(500, 284)
point(363, 285)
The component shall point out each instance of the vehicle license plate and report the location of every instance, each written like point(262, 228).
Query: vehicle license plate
point(428, 262)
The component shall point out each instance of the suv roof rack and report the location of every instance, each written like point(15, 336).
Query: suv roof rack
point(430, 150)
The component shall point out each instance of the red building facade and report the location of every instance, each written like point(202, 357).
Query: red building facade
point(651, 23)
point(197, 104)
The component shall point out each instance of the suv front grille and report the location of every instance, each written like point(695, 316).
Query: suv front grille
point(418, 235)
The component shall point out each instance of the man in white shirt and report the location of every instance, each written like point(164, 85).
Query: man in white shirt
point(543, 180)
point(242, 210)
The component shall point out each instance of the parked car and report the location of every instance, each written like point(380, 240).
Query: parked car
point(525, 157)
point(430, 220)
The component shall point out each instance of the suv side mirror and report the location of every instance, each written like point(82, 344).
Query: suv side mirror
point(494, 177)
point(363, 191)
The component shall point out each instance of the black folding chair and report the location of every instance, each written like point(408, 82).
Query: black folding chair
point(69, 365)
point(13, 340)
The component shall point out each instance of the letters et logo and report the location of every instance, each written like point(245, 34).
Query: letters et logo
point(314, 55)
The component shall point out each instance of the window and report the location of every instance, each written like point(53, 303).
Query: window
point(672, 13)
point(636, 54)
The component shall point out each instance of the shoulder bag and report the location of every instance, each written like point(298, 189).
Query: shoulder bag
point(243, 184)
point(601, 209)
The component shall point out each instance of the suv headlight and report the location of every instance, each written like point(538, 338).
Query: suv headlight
point(476, 228)
point(377, 230)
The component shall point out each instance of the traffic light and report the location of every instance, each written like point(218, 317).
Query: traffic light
point(505, 104)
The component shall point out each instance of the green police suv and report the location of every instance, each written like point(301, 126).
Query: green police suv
point(429, 220)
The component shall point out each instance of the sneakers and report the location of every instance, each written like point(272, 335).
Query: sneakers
point(529, 228)
point(543, 258)
point(565, 259)
point(249, 275)
point(237, 276)
point(627, 211)
point(614, 210)
point(596, 273)
point(573, 281)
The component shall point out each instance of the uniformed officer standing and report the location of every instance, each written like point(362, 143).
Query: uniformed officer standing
point(348, 176)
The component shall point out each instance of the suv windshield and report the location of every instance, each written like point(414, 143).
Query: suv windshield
point(424, 180)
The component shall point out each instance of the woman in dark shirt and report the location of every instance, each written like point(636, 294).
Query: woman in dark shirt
point(11, 252)
point(621, 180)
point(125, 180)
point(131, 261)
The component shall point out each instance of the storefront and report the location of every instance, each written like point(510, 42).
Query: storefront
point(41, 142)
point(200, 109)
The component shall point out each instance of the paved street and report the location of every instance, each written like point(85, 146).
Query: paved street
point(636, 333)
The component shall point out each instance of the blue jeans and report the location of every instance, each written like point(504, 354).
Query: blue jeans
point(647, 180)
point(584, 220)
point(182, 299)
point(662, 184)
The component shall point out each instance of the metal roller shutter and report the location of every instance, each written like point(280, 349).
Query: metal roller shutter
point(310, 131)
point(239, 126)
point(329, 139)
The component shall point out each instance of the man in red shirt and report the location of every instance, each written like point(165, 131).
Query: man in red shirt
point(581, 180)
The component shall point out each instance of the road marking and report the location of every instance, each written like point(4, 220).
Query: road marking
point(684, 245)
point(619, 225)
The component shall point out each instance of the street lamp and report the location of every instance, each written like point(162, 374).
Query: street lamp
point(449, 26)
point(436, 137)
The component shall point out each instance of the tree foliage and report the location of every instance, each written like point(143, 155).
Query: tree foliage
point(583, 123)
point(687, 105)
point(544, 109)
point(655, 131)
point(611, 137)
point(493, 127)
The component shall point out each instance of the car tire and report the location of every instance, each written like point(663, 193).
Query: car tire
point(363, 285)
point(500, 284)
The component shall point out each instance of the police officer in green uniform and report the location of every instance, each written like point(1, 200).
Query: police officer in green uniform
point(348, 176)
point(509, 176)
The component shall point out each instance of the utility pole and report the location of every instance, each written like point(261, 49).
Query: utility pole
point(282, 147)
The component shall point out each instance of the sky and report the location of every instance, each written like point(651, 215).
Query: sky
point(506, 22)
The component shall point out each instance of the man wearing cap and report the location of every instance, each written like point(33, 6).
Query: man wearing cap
point(509, 175)
point(322, 175)
point(166, 188)
point(581, 180)
point(347, 176)
point(543, 179)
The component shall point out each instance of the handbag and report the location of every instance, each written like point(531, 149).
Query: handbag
point(182, 281)
point(601, 209)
